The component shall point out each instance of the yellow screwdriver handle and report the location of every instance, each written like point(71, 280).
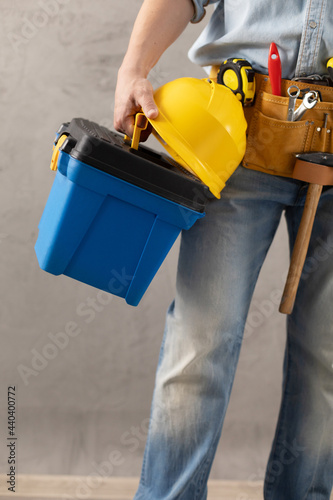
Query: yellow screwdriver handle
point(329, 66)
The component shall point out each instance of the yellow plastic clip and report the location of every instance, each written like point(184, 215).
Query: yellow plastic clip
point(140, 124)
point(55, 155)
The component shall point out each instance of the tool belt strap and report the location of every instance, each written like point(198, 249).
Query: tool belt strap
point(272, 141)
point(315, 173)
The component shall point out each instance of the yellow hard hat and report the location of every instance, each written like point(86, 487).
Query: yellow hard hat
point(202, 126)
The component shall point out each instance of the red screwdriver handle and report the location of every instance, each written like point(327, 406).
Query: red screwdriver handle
point(274, 69)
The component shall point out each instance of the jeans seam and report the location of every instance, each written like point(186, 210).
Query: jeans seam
point(315, 472)
point(269, 488)
point(207, 460)
point(203, 473)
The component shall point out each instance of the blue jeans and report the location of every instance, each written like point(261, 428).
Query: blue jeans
point(219, 262)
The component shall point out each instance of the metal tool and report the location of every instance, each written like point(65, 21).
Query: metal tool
point(274, 69)
point(319, 80)
point(325, 120)
point(238, 76)
point(310, 99)
point(293, 92)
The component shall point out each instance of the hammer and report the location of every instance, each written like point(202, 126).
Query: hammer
point(317, 170)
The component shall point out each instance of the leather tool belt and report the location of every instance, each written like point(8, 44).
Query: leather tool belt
point(272, 141)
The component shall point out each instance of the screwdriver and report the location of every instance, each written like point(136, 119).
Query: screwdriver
point(329, 66)
point(274, 69)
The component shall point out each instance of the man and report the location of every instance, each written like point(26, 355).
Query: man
point(220, 259)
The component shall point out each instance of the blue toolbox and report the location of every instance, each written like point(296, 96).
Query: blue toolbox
point(113, 212)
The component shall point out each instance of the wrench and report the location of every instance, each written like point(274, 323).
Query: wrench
point(293, 92)
point(310, 99)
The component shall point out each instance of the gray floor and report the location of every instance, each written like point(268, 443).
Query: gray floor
point(98, 488)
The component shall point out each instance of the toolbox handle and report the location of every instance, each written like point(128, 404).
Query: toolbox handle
point(140, 124)
point(55, 154)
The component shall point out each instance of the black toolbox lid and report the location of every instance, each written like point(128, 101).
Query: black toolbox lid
point(106, 150)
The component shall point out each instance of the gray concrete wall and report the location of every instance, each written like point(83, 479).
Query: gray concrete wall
point(89, 404)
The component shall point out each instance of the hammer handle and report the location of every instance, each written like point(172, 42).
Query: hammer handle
point(300, 248)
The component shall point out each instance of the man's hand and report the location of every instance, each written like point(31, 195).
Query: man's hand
point(157, 26)
point(133, 94)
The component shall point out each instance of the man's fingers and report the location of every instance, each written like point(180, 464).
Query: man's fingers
point(124, 124)
point(150, 111)
point(132, 97)
point(148, 105)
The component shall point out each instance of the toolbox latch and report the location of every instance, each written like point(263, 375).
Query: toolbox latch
point(55, 155)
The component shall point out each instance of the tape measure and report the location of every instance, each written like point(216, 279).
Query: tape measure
point(238, 76)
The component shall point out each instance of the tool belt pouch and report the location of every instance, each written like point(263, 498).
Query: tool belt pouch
point(272, 141)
